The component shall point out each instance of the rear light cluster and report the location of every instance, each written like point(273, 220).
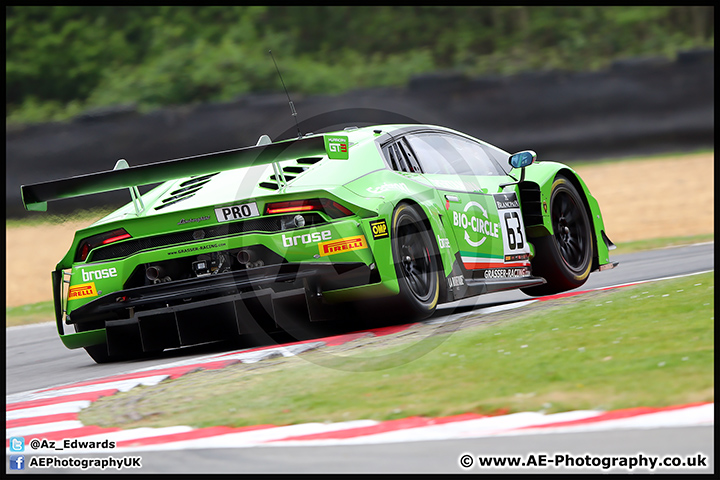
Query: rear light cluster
point(87, 244)
point(331, 208)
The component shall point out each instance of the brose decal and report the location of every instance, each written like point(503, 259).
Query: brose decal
point(98, 274)
point(314, 237)
point(83, 290)
point(379, 229)
point(235, 212)
point(343, 245)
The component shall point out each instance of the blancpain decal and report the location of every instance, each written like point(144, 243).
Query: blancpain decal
point(479, 225)
point(191, 220)
point(506, 200)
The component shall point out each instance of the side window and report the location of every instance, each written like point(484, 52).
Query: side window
point(401, 158)
point(452, 154)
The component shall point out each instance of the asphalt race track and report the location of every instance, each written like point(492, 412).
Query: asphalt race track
point(35, 358)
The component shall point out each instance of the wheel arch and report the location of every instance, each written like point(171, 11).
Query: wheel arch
point(433, 225)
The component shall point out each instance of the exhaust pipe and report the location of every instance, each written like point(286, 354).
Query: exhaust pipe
point(156, 274)
point(246, 256)
point(249, 258)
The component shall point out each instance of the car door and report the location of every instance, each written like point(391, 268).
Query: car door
point(487, 225)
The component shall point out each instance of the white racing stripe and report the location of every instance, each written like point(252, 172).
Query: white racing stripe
point(32, 412)
point(43, 428)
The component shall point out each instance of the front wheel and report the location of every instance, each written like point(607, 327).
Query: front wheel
point(564, 259)
point(416, 264)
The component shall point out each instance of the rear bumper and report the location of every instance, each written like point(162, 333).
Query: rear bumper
point(215, 307)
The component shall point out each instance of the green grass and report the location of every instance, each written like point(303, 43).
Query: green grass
point(27, 314)
point(647, 345)
point(655, 243)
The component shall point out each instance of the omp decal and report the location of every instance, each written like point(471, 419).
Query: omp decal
point(443, 242)
point(314, 237)
point(379, 229)
point(98, 274)
point(477, 224)
point(343, 245)
point(235, 212)
point(83, 290)
point(337, 147)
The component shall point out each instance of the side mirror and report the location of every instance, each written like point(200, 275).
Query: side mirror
point(522, 159)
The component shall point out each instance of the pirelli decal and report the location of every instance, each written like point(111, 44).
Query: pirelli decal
point(342, 245)
point(82, 290)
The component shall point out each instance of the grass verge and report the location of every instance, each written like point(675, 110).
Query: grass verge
point(646, 345)
point(26, 314)
point(655, 243)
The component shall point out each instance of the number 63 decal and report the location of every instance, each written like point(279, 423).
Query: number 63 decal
point(515, 240)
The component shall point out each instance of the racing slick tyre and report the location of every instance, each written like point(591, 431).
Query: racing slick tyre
point(416, 264)
point(565, 258)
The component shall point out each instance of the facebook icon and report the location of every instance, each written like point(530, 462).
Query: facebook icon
point(17, 462)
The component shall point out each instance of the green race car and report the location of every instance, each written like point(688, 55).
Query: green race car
point(281, 234)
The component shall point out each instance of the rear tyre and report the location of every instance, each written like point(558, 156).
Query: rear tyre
point(416, 264)
point(565, 258)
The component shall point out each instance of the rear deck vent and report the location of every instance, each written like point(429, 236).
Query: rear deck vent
point(187, 189)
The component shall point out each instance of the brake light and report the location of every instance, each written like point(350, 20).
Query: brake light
point(331, 208)
point(116, 238)
point(87, 244)
point(289, 207)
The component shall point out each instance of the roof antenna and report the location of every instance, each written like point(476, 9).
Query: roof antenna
point(292, 107)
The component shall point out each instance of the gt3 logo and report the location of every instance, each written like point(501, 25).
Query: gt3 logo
point(337, 147)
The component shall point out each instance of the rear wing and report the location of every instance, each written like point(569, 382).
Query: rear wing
point(36, 196)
